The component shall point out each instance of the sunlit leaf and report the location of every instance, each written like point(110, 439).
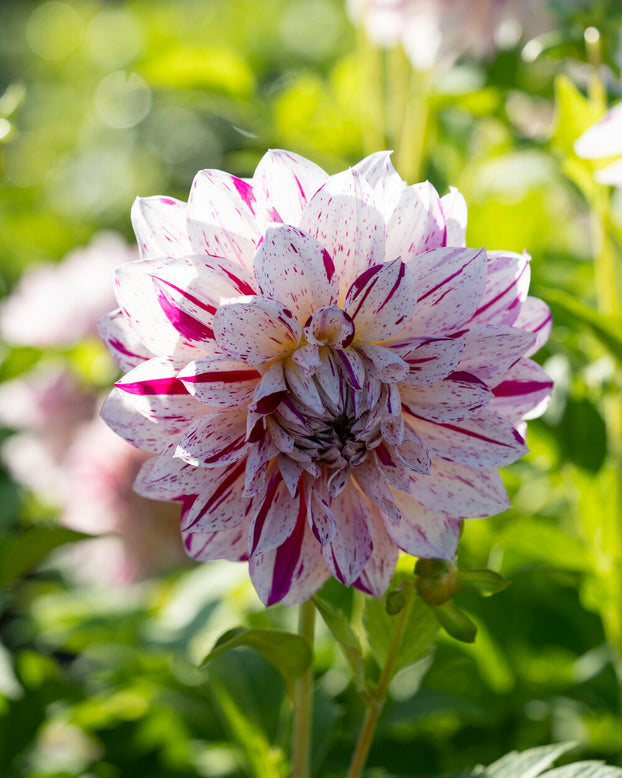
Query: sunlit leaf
point(339, 625)
point(21, 552)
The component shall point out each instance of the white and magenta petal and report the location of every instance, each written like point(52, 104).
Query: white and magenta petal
point(422, 532)
point(454, 209)
point(450, 283)
point(256, 329)
point(275, 516)
point(126, 348)
point(343, 216)
point(535, 316)
point(378, 572)
point(221, 503)
point(523, 392)
point(223, 544)
point(417, 224)
point(377, 169)
point(455, 398)
point(428, 359)
point(381, 301)
point(489, 352)
point(225, 219)
point(507, 283)
point(286, 182)
point(215, 440)
point(160, 227)
point(220, 382)
point(348, 552)
point(295, 269)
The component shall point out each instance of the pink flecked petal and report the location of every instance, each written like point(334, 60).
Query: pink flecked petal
point(352, 366)
point(378, 572)
point(223, 544)
point(422, 532)
point(381, 301)
point(225, 219)
point(383, 363)
point(428, 359)
point(290, 472)
point(319, 515)
point(450, 283)
point(377, 169)
point(343, 216)
point(256, 329)
point(220, 504)
point(485, 439)
point(391, 466)
point(490, 351)
point(166, 478)
point(308, 357)
point(417, 224)
point(458, 491)
point(375, 488)
point(329, 326)
point(303, 386)
point(295, 269)
point(286, 182)
point(125, 346)
point(292, 571)
point(276, 515)
point(272, 388)
point(348, 552)
point(160, 227)
point(191, 316)
point(455, 398)
point(535, 316)
point(256, 466)
point(523, 392)
point(507, 283)
point(215, 440)
point(219, 382)
point(413, 453)
point(454, 209)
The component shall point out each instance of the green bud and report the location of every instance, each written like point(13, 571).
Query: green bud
point(433, 568)
point(484, 582)
point(455, 623)
point(396, 601)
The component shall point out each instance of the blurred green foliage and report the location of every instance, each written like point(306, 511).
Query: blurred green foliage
point(103, 101)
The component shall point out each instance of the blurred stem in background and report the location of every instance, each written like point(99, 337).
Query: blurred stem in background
point(303, 710)
point(607, 542)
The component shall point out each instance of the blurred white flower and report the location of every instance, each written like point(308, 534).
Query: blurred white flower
point(604, 139)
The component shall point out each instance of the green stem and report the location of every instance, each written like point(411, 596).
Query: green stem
point(375, 704)
point(303, 705)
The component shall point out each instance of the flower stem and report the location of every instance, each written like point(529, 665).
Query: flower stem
point(376, 703)
point(303, 705)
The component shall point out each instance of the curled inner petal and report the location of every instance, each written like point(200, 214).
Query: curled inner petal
point(329, 326)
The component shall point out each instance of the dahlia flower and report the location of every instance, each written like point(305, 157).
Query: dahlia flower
point(604, 139)
point(326, 373)
point(437, 32)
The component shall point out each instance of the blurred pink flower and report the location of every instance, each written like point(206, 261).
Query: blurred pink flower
point(327, 373)
point(59, 304)
point(62, 450)
point(437, 32)
point(604, 139)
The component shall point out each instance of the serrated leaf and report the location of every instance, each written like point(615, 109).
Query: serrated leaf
point(289, 654)
point(418, 636)
point(337, 622)
point(608, 329)
point(22, 551)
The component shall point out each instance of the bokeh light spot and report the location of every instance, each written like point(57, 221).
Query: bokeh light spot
point(54, 30)
point(122, 99)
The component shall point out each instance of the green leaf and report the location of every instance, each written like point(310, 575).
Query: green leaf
point(608, 329)
point(230, 687)
point(455, 622)
point(526, 764)
point(288, 653)
point(337, 622)
point(23, 551)
point(584, 770)
point(417, 637)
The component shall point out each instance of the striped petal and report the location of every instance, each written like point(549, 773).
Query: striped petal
point(485, 439)
point(381, 301)
point(376, 489)
point(275, 516)
point(125, 346)
point(387, 186)
point(490, 351)
point(507, 283)
point(287, 182)
point(535, 316)
point(342, 215)
point(458, 491)
point(423, 533)
point(256, 329)
point(378, 572)
point(225, 218)
point(455, 398)
point(220, 504)
point(450, 283)
point(160, 227)
point(223, 544)
point(428, 359)
point(348, 552)
point(215, 440)
point(454, 209)
point(166, 478)
point(523, 393)
point(417, 224)
point(220, 382)
point(383, 363)
point(295, 269)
